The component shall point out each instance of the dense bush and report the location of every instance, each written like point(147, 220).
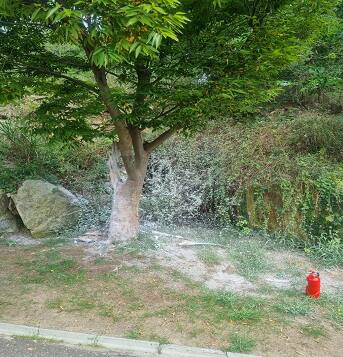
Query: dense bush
point(283, 174)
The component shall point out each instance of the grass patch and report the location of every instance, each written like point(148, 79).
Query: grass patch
point(142, 243)
point(224, 306)
point(334, 305)
point(108, 311)
point(250, 260)
point(241, 344)
point(209, 257)
point(52, 268)
point(299, 307)
point(313, 331)
point(73, 304)
point(7, 243)
point(134, 334)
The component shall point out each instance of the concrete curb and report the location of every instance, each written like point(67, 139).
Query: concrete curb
point(134, 347)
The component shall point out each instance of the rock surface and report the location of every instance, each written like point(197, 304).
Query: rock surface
point(8, 223)
point(46, 208)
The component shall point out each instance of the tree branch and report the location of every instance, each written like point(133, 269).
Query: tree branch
point(163, 113)
point(150, 146)
point(64, 76)
point(137, 143)
point(125, 141)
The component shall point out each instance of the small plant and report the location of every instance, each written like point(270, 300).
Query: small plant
point(160, 339)
point(134, 334)
point(241, 344)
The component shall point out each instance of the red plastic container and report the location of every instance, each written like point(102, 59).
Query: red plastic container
point(313, 285)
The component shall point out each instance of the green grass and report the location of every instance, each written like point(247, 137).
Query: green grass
point(241, 344)
point(295, 307)
point(335, 308)
point(134, 334)
point(224, 306)
point(314, 331)
point(52, 268)
point(209, 257)
point(141, 244)
point(249, 259)
point(75, 303)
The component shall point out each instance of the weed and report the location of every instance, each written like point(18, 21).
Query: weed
point(241, 344)
point(209, 257)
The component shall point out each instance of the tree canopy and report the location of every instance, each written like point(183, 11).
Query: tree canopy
point(169, 64)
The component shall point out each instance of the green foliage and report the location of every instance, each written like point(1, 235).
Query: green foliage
point(241, 344)
point(227, 59)
point(23, 155)
point(285, 178)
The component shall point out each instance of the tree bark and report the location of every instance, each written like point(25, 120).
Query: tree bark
point(124, 222)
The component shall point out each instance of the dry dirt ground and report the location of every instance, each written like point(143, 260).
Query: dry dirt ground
point(228, 292)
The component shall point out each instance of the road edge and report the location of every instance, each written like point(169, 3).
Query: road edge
point(135, 348)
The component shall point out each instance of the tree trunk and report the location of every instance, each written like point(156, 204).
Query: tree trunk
point(134, 153)
point(124, 223)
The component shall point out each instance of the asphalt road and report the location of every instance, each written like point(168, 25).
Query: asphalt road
point(21, 347)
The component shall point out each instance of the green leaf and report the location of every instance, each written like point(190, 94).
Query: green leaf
point(52, 11)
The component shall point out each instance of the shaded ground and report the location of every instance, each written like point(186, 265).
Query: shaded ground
point(239, 295)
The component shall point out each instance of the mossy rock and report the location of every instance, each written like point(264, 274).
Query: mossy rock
point(45, 208)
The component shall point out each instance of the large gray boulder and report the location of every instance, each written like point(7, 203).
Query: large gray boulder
point(8, 222)
point(46, 208)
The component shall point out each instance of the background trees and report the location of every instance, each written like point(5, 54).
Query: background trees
point(137, 72)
